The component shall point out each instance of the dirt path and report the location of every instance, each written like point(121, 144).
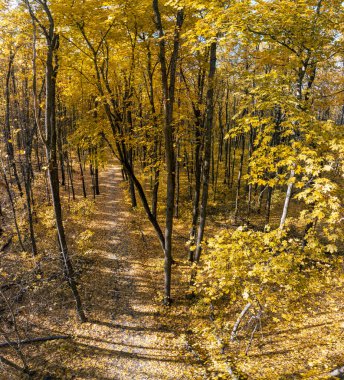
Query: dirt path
point(126, 337)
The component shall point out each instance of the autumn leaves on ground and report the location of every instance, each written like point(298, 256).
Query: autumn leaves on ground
point(129, 334)
point(127, 337)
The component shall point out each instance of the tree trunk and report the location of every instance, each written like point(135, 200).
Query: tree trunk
point(168, 79)
point(207, 148)
point(237, 196)
point(52, 40)
point(81, 174)
point(7, 127)
point(176, 206)
point(287, 200)
point(13, 207)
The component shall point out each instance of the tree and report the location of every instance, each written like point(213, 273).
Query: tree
point(50, 138)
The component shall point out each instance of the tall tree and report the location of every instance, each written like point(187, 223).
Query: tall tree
point(47, 27)
point(168, 83)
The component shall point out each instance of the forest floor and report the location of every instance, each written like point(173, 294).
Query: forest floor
point(128, 335)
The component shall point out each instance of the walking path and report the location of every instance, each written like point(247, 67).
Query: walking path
point(126, 337)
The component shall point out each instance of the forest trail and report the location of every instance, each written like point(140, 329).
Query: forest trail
point(125, 337)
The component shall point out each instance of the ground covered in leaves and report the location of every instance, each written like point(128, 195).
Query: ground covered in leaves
point(129, 334)
point(120, 276)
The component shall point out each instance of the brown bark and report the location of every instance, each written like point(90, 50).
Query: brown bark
point(168, 80)
point(207, 148)
point(50, 140)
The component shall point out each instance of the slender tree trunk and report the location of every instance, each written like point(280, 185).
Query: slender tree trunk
point(268, 205)
point(237, 197)
point(70, 173)
point(155, 191)
point(92, 178)
point(7, 127)
point(96, 174)
point(61, 154)
point(27, 182)
point(81, 174)
point(176, 206)
point(249, 195)
point(227, 143)
point(168, 80)
point(207, 148)
point(13, 207)
point(287, 200)
point(235, 144)
point(197, 191)
point(51, 68)
point(157, 143)
point(131, 183)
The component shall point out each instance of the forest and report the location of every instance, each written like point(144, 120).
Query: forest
point(171, 189)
